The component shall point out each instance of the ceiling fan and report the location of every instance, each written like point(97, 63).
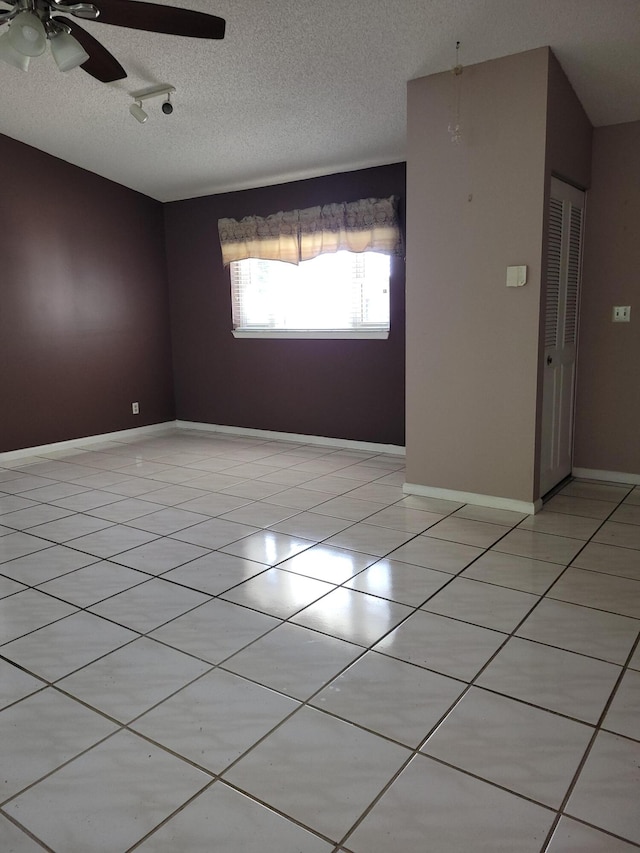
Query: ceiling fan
point(31, 23)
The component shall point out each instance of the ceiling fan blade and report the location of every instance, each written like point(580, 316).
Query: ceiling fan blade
point(101, 64)
point(160, 19)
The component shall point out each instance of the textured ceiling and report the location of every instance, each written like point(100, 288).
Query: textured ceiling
point(301, 87)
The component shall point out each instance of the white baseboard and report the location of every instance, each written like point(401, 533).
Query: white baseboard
point(530, 507)
point(87, 441)
point(324, 441)
point(606, 476)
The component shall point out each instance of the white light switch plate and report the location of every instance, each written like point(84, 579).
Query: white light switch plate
point(516, 276)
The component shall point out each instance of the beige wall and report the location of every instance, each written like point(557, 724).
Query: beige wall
point(473, 368)
point(472, 343)
point(569, 131)
point(608, 400)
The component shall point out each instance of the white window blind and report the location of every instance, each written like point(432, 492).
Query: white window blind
point(332, 293)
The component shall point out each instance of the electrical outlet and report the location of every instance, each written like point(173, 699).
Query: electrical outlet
point(621, 314)
point(135, 408)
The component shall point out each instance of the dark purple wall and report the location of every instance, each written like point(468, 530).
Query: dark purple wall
point(338, 388)
point(84, 328)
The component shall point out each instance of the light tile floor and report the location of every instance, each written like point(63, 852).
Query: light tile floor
point(217, 643)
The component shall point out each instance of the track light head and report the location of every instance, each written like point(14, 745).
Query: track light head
point(167, 107)
point(138, 113)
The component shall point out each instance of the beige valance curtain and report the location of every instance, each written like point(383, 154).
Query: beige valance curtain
point(370, 224)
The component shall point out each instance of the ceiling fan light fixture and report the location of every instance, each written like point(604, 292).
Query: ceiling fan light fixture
point(138, 113)
point(10, 55)
point(67, 51)
point(26, 34)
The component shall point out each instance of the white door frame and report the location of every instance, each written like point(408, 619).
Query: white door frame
point(564, 261)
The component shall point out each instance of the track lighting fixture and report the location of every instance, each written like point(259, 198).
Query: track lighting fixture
point(153, 92)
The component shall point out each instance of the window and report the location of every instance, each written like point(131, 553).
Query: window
point(320, 272)
point(338, 295)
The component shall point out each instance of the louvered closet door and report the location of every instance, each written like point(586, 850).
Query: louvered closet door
point(564, 253)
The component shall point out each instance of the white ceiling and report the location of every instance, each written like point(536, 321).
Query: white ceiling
point(301, 87)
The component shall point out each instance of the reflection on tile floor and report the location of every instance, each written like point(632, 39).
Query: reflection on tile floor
point(218, 643)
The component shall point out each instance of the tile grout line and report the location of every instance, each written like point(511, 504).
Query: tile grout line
point(460, 698)
point(590, 745)
point(365, 649)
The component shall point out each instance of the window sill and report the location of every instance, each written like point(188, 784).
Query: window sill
point(313, 334)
